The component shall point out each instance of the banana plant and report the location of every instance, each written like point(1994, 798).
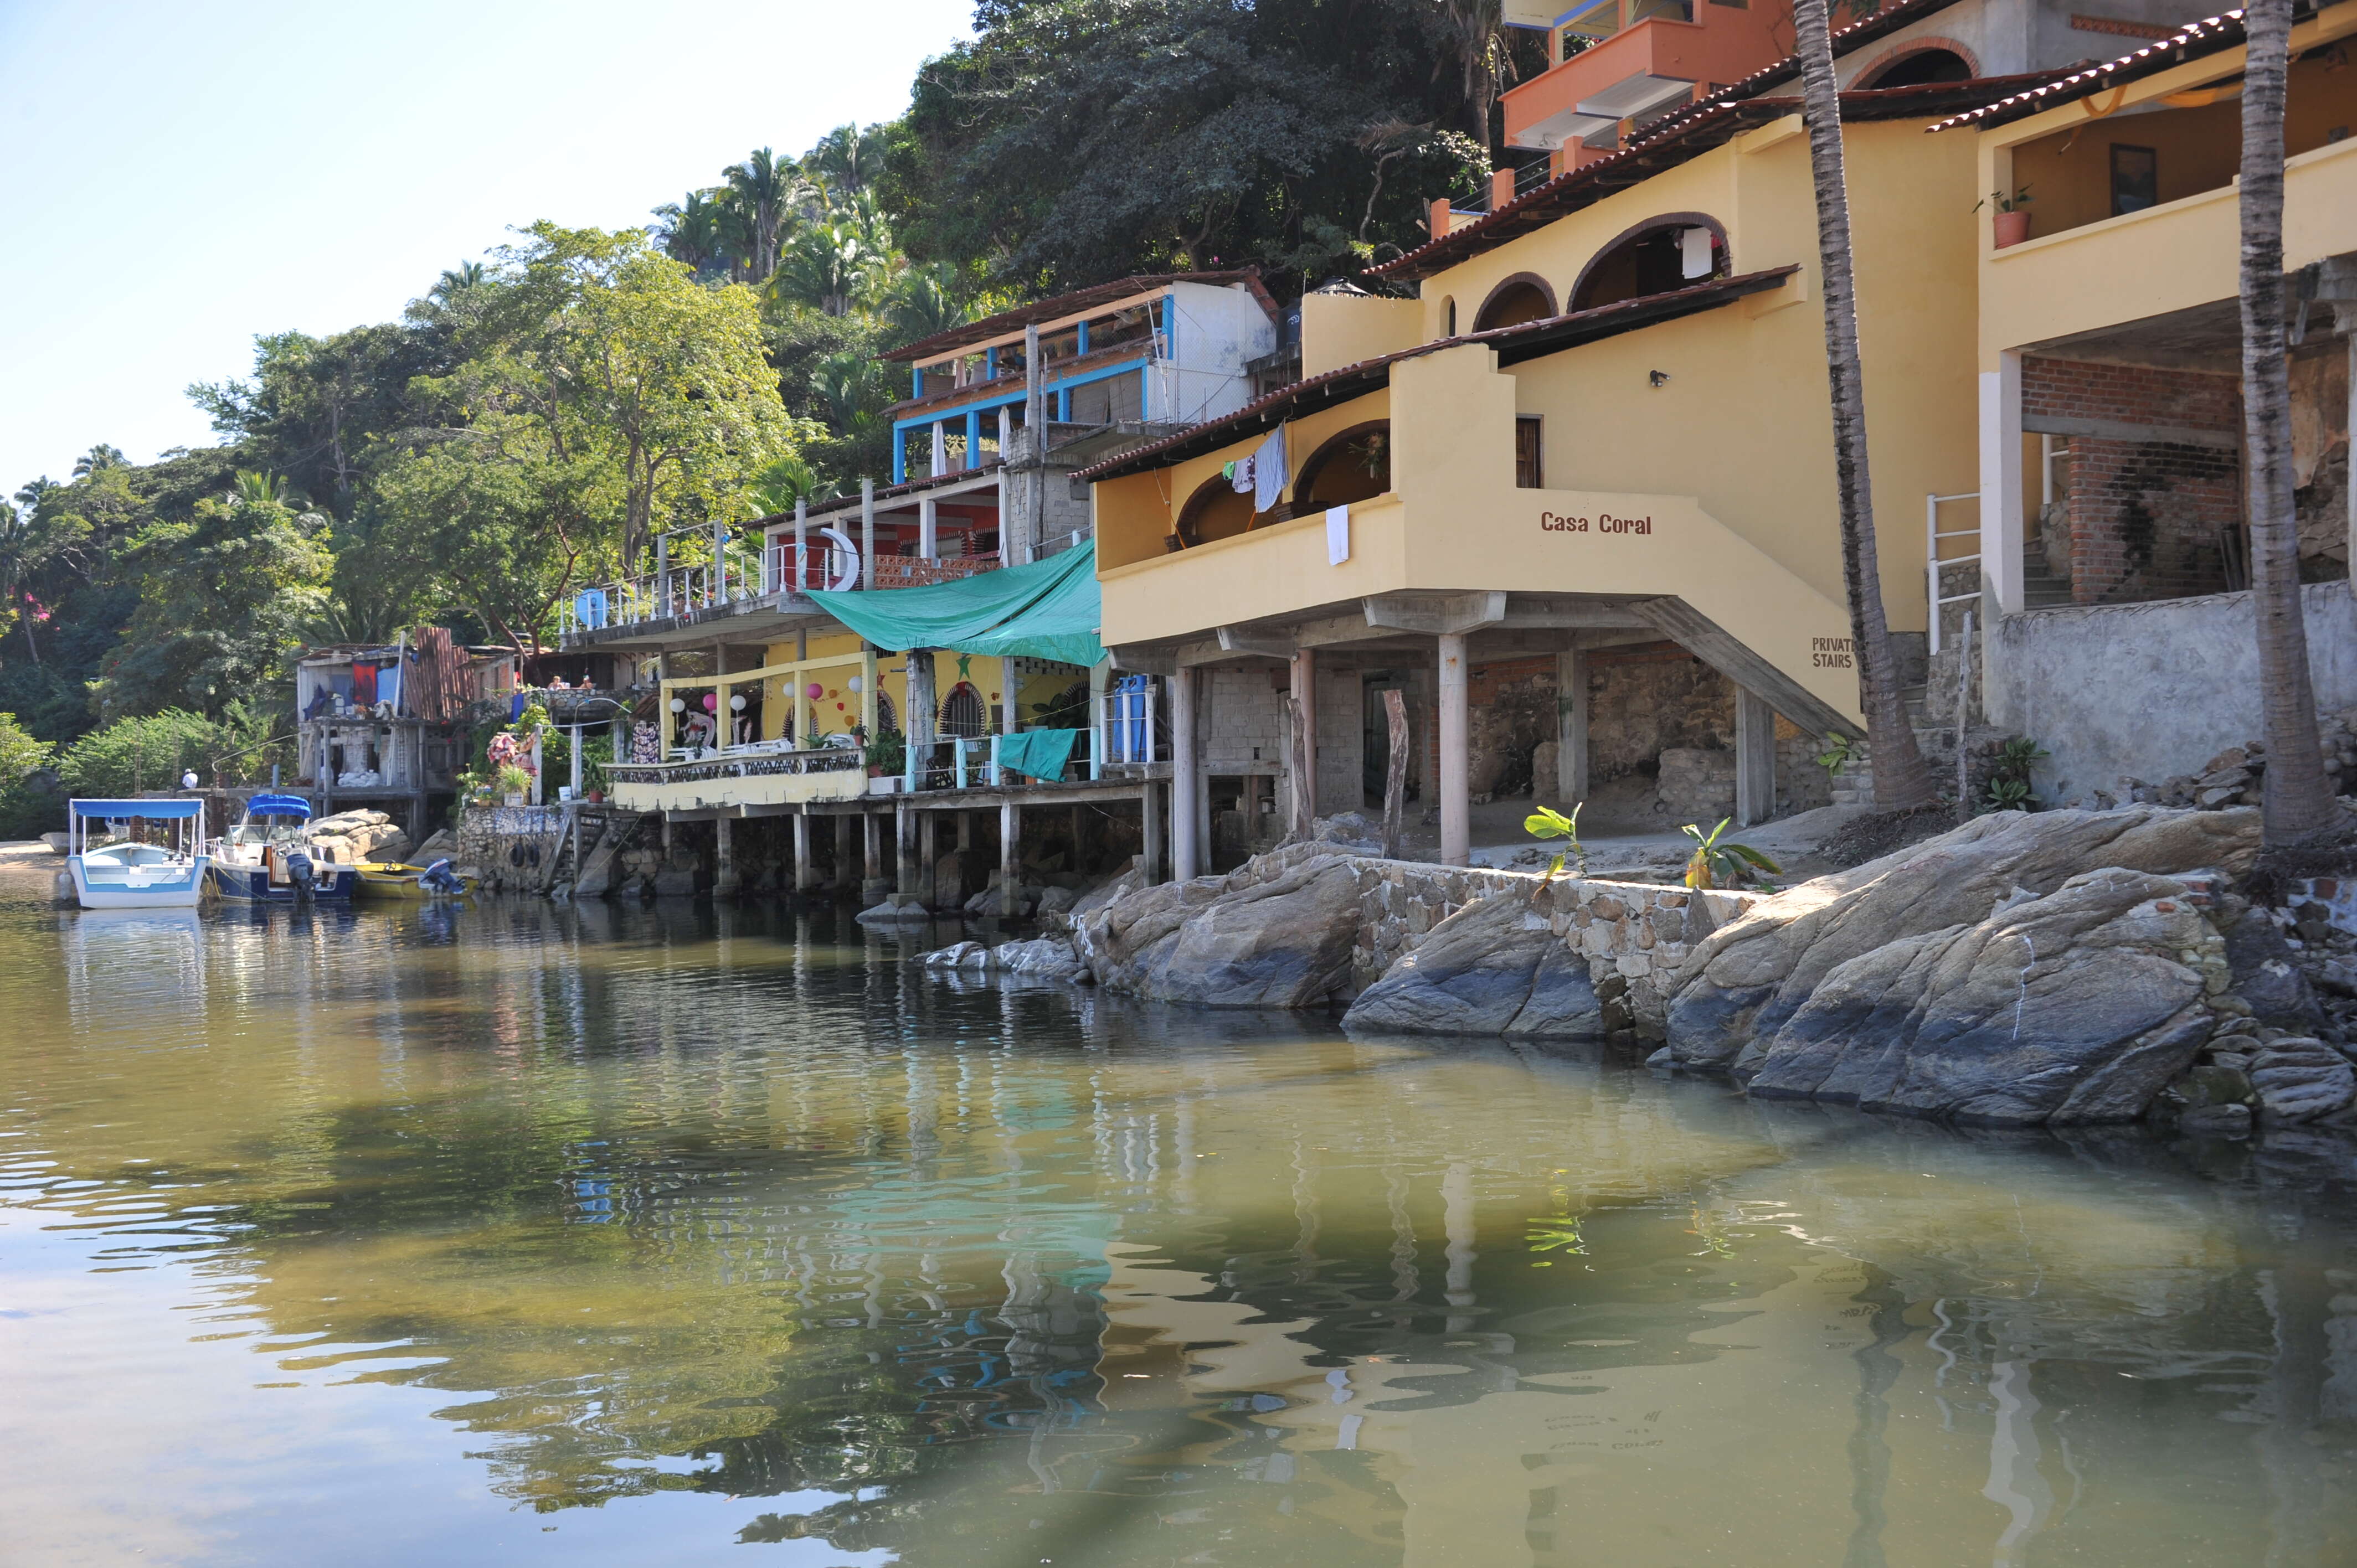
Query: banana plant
point(1546, 823)
point(1714, 861)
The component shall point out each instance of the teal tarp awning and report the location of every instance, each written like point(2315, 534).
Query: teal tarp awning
point(1049, 609)
point(1039, 753)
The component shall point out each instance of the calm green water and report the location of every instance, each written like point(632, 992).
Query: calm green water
point(523, 1234)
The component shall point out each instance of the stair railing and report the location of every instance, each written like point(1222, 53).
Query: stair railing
point(1933, 564)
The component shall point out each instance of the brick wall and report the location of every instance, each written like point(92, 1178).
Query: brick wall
point(2145, 516)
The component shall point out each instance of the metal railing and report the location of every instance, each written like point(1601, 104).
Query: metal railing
point(1933, 564)
point(766, 765)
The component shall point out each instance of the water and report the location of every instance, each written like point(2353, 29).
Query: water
point(528, 1235)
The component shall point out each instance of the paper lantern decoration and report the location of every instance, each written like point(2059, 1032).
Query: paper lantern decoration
point(737, 703)
point(679, 705)
point(815, 690)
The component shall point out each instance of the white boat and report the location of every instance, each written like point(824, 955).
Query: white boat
point(133, 875)
point(267, 859)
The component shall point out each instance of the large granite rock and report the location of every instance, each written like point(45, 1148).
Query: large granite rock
point(1281, 943)
point(2265, 974)
point(1495, 967)
point(2075, 1007)
point(2300, 1079)
point(1747, 979)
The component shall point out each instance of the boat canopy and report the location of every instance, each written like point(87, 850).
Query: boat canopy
point(278, 806)
point(115, 809)
point(1049, 609)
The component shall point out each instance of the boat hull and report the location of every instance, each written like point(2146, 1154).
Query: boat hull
point(110, 887)
point(389, 880)
point(252, 884)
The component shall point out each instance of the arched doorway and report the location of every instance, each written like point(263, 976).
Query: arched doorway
point(1921, 68)
point(1521, 299)
point(1216, 510)
point(1353, 464)
point(1660, 255)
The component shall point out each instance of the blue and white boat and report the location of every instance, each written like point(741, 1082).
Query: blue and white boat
point(267, 858)
point(132, 875)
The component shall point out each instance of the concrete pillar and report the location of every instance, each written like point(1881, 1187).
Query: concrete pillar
point(873, 886)
point(904, 842)
point(1186, 782)
point(1010, 854)
point(1079, 855)
point(867, 533)
point(922, 710)
point(1149, 805)
point(846, 851)
point(1010, 720)
point(1571, 764)
point(1455, 762)
point(805, 873)
point(929, 541)
point(928, 855)
point(2001, 525)
point(1305, 692)
point(725, 882)
point(965, 828)
point(1755, 759)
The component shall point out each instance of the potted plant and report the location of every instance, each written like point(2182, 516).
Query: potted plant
point(2008, 222)
point(887, 755)
point(514, 781)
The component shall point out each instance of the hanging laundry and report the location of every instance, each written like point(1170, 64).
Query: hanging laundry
point(1270, 475)
point(388, 686)
point(1240, 476)
point(364, 685)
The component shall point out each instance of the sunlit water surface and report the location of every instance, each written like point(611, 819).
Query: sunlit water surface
point(530, 1234)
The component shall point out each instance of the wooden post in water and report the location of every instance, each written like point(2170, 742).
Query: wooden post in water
point(1394, 771)
point(804, 872)
point(1010, 856)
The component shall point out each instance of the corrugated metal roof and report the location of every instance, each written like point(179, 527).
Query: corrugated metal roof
point(1071, 304)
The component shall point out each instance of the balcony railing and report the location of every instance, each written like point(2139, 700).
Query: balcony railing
point(761, 760)
point(917, 572)
point(685, 591)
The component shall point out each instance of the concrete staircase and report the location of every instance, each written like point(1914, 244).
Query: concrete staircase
point(2040, 588)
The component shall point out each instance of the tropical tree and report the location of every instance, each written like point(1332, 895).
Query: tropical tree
point(926, 300)
point(97, 460)
point(618, 358)
point(455, 282)
point(763, 192)
point(1902, 780)
point(692, 230)
point(830, 266)
point(848, 159)
point(2297, 801)
point(1476, 36)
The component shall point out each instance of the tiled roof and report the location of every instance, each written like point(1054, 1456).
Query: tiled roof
point(2206, 37)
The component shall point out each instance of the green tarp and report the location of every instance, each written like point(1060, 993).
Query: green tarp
point(1038, 753)
point(1049, 609)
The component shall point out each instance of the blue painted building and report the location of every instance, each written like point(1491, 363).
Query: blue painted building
point(1171, 350)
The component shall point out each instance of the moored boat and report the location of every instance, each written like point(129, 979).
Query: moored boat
point(419, 883)
point(267, 857)
point(129, 875)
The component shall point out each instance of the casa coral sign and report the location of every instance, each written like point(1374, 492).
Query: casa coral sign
point(1602, 522)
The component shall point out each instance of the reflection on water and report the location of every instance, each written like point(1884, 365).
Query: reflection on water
point(528, 1233)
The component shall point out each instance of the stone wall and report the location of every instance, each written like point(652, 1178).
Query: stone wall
point(1632, 934)
point(2151, 689)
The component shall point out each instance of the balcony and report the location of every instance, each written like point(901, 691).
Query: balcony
point(1652, 56)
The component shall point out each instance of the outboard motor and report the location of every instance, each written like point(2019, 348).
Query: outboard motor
point(300, 876)
point(439, 879)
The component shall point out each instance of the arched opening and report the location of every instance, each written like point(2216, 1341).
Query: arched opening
point(1448, 316)
point(1518, 299)
point(887, 716)
point(963, 716)
point(1353, 465)
point(1216, 510)
point(1659, 256)
point(1921, 68)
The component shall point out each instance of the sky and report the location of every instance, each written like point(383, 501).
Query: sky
point(179, 178)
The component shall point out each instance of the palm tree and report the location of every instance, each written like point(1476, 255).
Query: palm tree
point(848, 159)
point(2297, 801)
point(1902, 781)
point(764, 191)
point(97, 460)
point(827, 265)
point(1476, 36)
point(926, 300)
point(455, 282)
point(691, 232)
point(251, 488)
point(848, 384)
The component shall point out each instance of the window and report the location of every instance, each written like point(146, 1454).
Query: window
point(1659, 257)
point(1529, 475)
point(1448, 310)
point(2136, 179)
point(1516, 301)
point(1353, 465)
point(887, 716)
point(963, 715)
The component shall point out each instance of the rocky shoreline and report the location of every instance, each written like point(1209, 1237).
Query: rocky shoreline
point(2057, 969)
